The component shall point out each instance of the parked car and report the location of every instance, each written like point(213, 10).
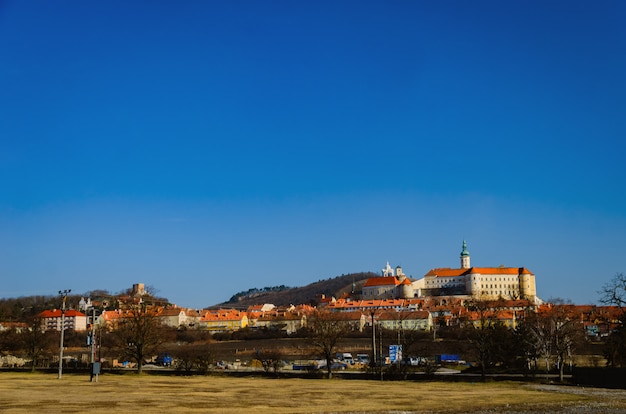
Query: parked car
point(164, 360)
point(335, 365)
point(338, 365)
point(414, 361)
point(363, 358)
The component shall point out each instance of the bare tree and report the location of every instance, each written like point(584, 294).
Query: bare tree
point(184, 357)
point(270, 359)
point(188, 357)
point(139, 333)
point(325, 331)
point(615, 348)
point(558, 331)
point(204, 357)
point(614, 294)
point(480, 331)
point(411, 334)
point(529, 343)
point(37, 343)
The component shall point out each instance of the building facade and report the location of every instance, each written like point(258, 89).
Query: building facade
point(74, 320)
point(480, 282)
point(487, 283)
point(391, 285)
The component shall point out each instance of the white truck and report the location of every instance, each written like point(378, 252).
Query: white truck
point(345, 357)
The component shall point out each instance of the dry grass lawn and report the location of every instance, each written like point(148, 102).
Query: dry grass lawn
point(44, 393)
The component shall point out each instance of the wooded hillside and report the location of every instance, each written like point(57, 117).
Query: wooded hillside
point(309, 294)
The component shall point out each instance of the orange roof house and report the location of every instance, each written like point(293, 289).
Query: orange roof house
point(506, 317)
point(223, 320)
point(289, 320)
point(51, 320)
point(17, 326)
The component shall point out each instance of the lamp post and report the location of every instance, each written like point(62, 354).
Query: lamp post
point(94, 367)
point(373, 362)
point(63, 293)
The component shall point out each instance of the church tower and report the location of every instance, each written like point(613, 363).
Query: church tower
point(388, 270)
point(465, 257)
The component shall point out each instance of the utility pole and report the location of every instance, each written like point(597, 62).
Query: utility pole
point(94, 367)
point(63, 293)
point(373, 362)
point(380, 335)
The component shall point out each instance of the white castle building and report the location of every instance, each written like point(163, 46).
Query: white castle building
point(479, 282)
point(466, 281)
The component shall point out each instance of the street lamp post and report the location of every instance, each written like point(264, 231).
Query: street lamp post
point(94, 366)
point(63, 293)
point(373, 362)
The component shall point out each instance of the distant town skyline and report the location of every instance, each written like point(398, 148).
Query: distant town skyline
point(207, 148)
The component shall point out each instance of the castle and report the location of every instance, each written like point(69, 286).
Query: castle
point(486, 283)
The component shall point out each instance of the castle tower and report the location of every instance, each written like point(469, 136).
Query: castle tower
point(528, 287)
point(139, 289)
point(465, 257)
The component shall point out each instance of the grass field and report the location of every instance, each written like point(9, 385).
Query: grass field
point(44, 393)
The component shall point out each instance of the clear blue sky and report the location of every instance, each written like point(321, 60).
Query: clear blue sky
point(207, 147)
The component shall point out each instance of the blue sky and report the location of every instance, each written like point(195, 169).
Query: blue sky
point(207, 147)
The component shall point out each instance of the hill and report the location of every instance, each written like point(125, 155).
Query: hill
point(310, 294)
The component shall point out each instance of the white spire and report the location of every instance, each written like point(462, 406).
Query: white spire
point(388, 271)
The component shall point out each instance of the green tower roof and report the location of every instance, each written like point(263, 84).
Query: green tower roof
point(464, 252)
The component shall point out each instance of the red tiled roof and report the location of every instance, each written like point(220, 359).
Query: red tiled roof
point(224, 315)
point(499, 270)
point(56, 313)
point(372, 303)
point(381, 281)
point(170, 312)
point(17, 325)
point(499, 315)
point(448, 272)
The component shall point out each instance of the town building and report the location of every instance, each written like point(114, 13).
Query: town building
point(74, 320)
point(223, 320)
point(178, 317)
point(288, 319)
point(388, 286)
point(419, 320)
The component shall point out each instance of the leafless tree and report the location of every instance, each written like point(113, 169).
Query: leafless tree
point(558, 332)
point(479, 330)
point(613, 293)
point(493, 341)
point(271, 360)
point(529, 340)
point(204, 357)
point(37, 343)
point(325, 330)
point(188, 357)
point(139, 333)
